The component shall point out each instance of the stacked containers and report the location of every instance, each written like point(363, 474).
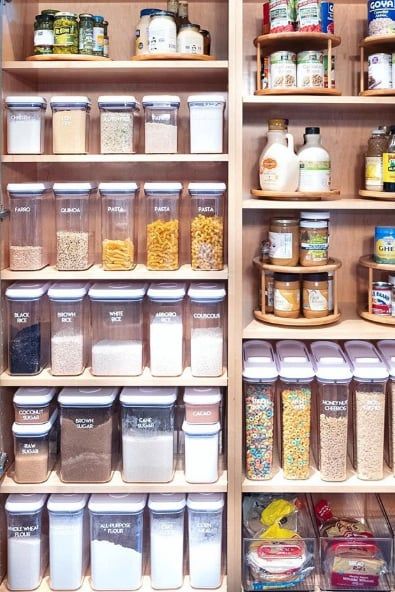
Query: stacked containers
point(70, 124)
point(117, 132)
point(161, 127)
point(206, 123)
point(34, 405)
point(387, 351)
point(370, 377)
point(25, 124)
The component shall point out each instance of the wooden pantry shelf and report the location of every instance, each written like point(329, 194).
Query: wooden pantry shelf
point(316, 100)
point(314, 91)
point(344, 203)
point(296, 40)
point(378, 41)
point(111, 158)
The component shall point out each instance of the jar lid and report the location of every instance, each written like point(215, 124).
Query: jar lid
point(117, 503)
point(202, 396)
point(26, 101)
point(387, 350)
point(141, 396)
point(315, 215)
point(206, 502)
point(121, 188)
point(149, 11)
point(167, 188)
point(27, 290)
point(206, 189)
point(161, 101)
point(166, 502)
point(34, 396)
point(286, 277)
point(366, 362)
point(65, 101)
point(379, 132)
point(27, 189)
point(315, 277)
point(86, 15)
point(98, 19)
point(259, 362)
point(35, 430)
point(284, 221)
point(65, 291)
point(313, 224)
point(207, 292)
point(312, 131)
point(60, 189)
point(294, 361)
point(70, 14)
point(25, 503)
point(330, 363)
point(166, 291)
point(118, 101)
point(87, 397)
point(197, 429)
point(207, 99)
point(164, 13)
point(118, 291)
point(67, 502)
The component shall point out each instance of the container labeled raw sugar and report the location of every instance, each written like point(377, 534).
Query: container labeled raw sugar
point(34, 405)
point(387, 350)
point(369, 386)
point(117, 328)
point(117, 125)
point(70, 124)
point(202, 405)
point(167, 540)
point(259, 388)
point(116, 540)
point(201, 452)
point(88, 434)
point(27, 540)
point(29, 245)
point(148, 434)
point(206, 120)
point(161, 112)
point(68, 540)
point(25, 124)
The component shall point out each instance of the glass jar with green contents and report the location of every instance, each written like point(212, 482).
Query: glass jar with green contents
point(106, 46)
point(65, 33)
point(85, 43)
point(43, 34)
point(98, 35)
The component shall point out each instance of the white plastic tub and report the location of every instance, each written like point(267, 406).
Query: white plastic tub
point(206, 123)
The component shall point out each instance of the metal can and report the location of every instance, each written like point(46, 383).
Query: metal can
point(391, 280)
point(282, 70)
point(85, 45)
point(282, 15)
point(384, 245)
point(381, 17)
point(379, 71)
point(393, 69)
point(265, 17)
point(310, 69)
point(327, 17)
point(382, 299)
point(308, 16)
point(265, 72)
point(329, 76)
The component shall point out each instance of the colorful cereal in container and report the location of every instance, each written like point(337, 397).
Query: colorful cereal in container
point(387, 351)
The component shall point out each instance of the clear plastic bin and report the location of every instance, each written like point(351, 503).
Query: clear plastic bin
point(148, 434)
point(387, 501)
point(259, 388)
point(28, 331)
point(161, 127)
point(29, 244)
point(118, 220)
point(163, 221)
point(202, 405)
point(89, 434)
point(3, 538)
point(116, 540)
point(117, 328)
point(70, 124)
point(68, 540)
point(387, 350)
point(201, 452)
point(34, 405)
point(27, 536)
point(75, 247)
point(117, 129)
point(70, 325)
point(25, 124)
point(167, 540)
point(206, 123)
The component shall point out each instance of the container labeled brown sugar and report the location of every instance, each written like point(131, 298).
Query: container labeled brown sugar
point(315, 295)
point(34, 405)
point(284, 241)
point(286, 295)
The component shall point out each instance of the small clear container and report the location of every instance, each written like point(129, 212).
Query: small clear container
point(369, 401)
point(88, 434)
point(118, 221)
point(161, 127)
point(163, 223)
point(117, 540)
point(201, 452)
point(202, 405)
point(25, 124)
point(167, 512)
point(117, 328)
point(387, 350)
point(205, 513)
point(259, 389)
point(27, 540)
point(68, 540)
point(35, 448)
point(34, 405)
point(207, 328)
point(295, 389)
point(207, 225)
point(70, 124)
point(69, 328)
point(117, 129)
point(28, 331)
point(29, 244)
point(75, 219)
point(148, 434)
point(206, 116)
point(166, 332)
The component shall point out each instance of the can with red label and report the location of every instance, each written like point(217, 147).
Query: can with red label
point(382, 299)
point(327, 20)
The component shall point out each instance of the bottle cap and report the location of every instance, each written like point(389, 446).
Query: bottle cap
point(312, 131)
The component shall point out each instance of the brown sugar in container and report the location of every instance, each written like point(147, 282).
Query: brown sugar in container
point(315, 295)
point(284, 241)
point(202, 405)
point(34, 405)
point(286, 295)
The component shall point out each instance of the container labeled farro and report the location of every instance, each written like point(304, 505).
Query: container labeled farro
point(379, 71)
point(282, 69)
point(310, 69)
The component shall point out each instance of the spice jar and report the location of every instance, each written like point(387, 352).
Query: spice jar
point(44, 34)
point(201, 452)
point(118, 217)
point(284, 241)
point(162, 225)
point(202, 404)
point(98, 35)
point(117, 328)
point(25, 124)
point(314, 238)
point(190, 40)
point(206, 120)
point(70, 124)
point(117, 133)
point(207, 225)
point(377, 145)
point(34, 405)
point(65, 28)
point(162, 33)
point(29, 244)
point(286, 295)
point(161, 113)
point(85, 44)
point(315, 295)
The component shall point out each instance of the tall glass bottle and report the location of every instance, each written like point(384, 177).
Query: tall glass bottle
point(182, 14)
point(389, 164)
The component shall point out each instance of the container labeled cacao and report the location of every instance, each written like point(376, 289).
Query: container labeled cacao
point(202, 405)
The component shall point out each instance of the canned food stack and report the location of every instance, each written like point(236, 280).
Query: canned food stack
point(298, 15)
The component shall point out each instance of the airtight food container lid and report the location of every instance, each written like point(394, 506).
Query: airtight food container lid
point(34, 430)
point(34, 396)
point(118, 188)
point(67, 291)
point(117, 503)
point(206, 502)
point(118, 291)
point(386, 348)
point(166, 291)
point(206, 99)
point(293, 361)
point(167, 188)
point(27, 189)
point(26, 102)
point(259, 362)
point(70, 101)
point(125, 101)
point(166, 502)
point(206, 189)
point(67, 502)
point(207, 291)
point(366, 362)
point(27, 290)
point(315, 215)
point(198, 429)
point(25, 503)
point(141, 396)
point(87, 397)
point(161, 101)
point(202, 395)
point(330, 363)
point(60, 189)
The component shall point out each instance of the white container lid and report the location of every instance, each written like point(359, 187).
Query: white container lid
point(313, 224)
point(206, 189)
point(67, 502)
point(208, 502)
point(259, 362)
point(330, 363)
point(73, 188)
point(195, 429)
point(207, 291)
point(387, 349)
point(166, 502)
point(25, 503)
point(27, 290)
point(118, 100)
point(315, 215)
point(163, 188)
point(141, 396)
point(34, 396)
point(206, 98)
point(117, 503)
point(202, 396)
point(161, 101)
point(366, 362)
point(87, 397)
point(117, 291)
point(294, 363)
point(70, 100)
point(34, 430)
point(111, 188)
point(68, 291)
point(17, 189)
point(25, 101)
point(167, 291)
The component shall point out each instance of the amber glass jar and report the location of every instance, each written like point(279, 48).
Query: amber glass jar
point(284, 241)
point(286, 295)
point(315, 295)
point(314, 238)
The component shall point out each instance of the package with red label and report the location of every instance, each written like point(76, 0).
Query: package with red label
point(308, 16)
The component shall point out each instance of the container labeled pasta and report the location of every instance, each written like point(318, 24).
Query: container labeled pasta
point(162, 225)
point(207, 225)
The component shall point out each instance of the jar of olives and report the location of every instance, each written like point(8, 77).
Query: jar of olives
point(65, 33)
point(43, 34)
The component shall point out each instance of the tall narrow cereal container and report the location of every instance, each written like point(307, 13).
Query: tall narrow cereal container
point(206, 116)
point(70, 124)
point(25, 124)
point(369, 386)
point(259, 389)
point(387, 350)
point(161, 124)
point(295, 399)
point(117, 129)
point(333, 374)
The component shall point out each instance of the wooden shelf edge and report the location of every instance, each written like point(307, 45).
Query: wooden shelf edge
point(344, 203)
point(297, 100)
point(299, 322)
point(295, 36)
point(297, 92)
point(377, 195)
point(332, 265)
point(294, 195)
point(377, 40)
point(113, 158)
point(15, 65)
point(384, 92)
point(369, 262)
point(380, 319)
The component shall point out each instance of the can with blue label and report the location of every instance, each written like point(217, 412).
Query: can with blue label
point(327, 20)
point(384, 245)
point(381, 17)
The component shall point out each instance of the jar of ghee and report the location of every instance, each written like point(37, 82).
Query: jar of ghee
point(384, 244)
point(284, 241)
point(315, 295)
point(286, 295)
point(314, 238)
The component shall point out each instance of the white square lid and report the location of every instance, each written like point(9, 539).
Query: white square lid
point(34, 396)
point(67, 502)
point(387, 349)
point(206, 502)
point(161, 101)
point(196, 395)
point(166, 502)
point(206, 98)
point(33, 189)
point(330, 363)
point(123, 100)
point(70, 100)
point(26, 101)
point(68, 291)
point(195, 429)
point(206, 189)
point(167, 188)
point(259, 362)
point(121, 188)
point(167, 291)
point(27, 290)
point(147, 396)
point(87, 396)
point(293, 361)
point(25, 503)
point(365, 361)
point(117, 503)
point(35, 430)
point(117, 291)
point(73, 188)
point(207, 291)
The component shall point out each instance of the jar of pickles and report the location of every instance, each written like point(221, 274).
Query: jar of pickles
point(207, 225)
point(43, 34)
point(85, 38)
point(65, 33)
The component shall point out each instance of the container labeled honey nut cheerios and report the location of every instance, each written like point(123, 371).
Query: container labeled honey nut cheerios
point(207, 225)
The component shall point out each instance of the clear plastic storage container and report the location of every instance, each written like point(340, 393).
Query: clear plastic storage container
point(118, 221)
point(207, 225)
point(75, 235)
point(30, 208)
point(3, 538)
point(161, 112)
point(148, 434)
point(296, 376)
point(167, 540)
point(207, 328)
point(369, 386)
point(70, 325)
point(34, 405)
point(259, 389)
point(201, 452)
point(116, 540)
point(387, 351)
point(28, 331)
point(89, 434)
point(70, 124)
point(117, 328)
point(117, 129)
point(25, 124)
point(163, 222)
point(206, 123)
point(68, 540)
point(202, 405)
point(166, 328)
point(27, 536)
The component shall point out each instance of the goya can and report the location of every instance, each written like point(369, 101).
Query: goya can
point(384, 244)
point(379, 71)
point(382, 299)
point(381, 17)
point(282, 70)
point(327, 17)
